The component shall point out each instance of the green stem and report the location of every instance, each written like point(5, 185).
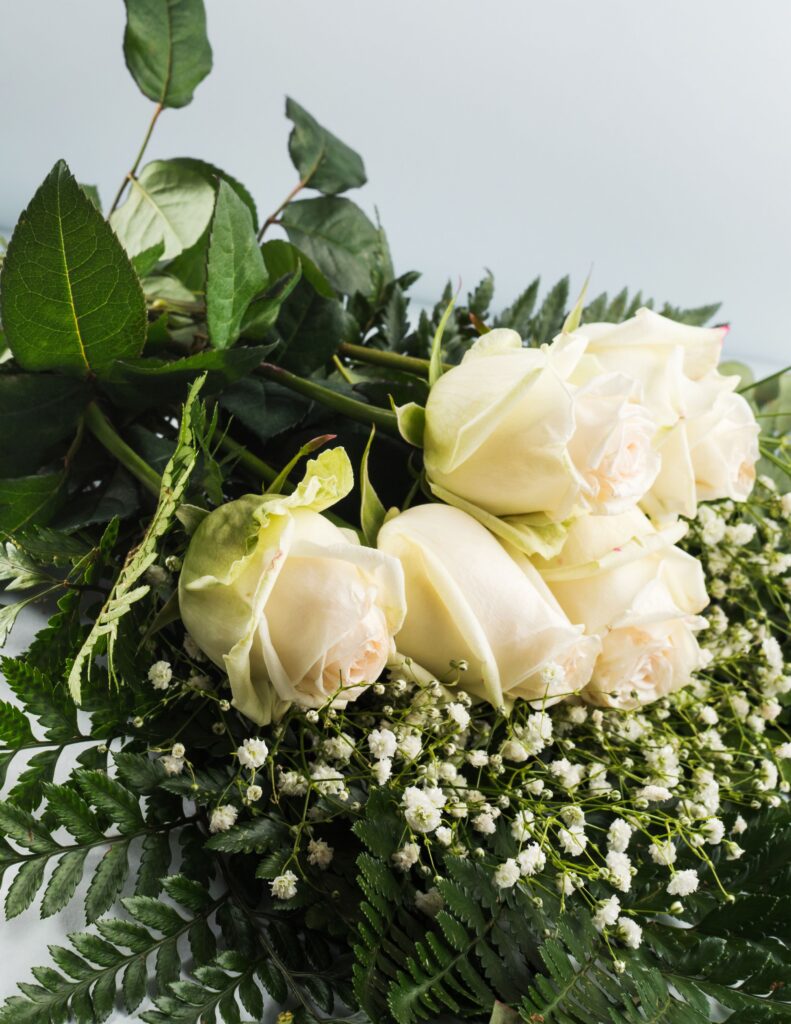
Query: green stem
point(763, 380)
point(133, 171)
point(349, 407)
point(272, 218)
point(252, 462)
point(106, 434)
point(381, 357)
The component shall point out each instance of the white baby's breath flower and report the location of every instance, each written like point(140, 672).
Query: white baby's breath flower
point(172, 765)
point(406, 857)
point(507, 874)
point(513, 750)
point(382, 743)
point(618, 835)
point(663, 853)
point(573, 840)
point(160, 674)
point(606, 913)
point(458, 714)
point(713, 830)
point(382, 770)
point(327, 780)
point(629, 932)
point(443, 835)
point(409, 745)
point(284, 887)
point(429, 903)
point(521, 826)
point(254, 793)
point(484, 822)
point(338, 748)
point(223, 818)
point(654, 794)
point(478, 758)
point(740, 534)
point(683, 883)
point(732, 850)
point(178, 750)
point(252, 753)
point(191, 649)
point(320, 853)
point(531, 860)
point(291, 783)
point(783, 751)
point(773, 653)
point(420, 810)
point(740, 825)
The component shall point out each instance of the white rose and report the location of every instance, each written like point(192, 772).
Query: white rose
point(469, 600)
point(710, 453)
point(511, 440)
point(709, 445)
point(290, 605)
point(657, 352)
point(631, 587)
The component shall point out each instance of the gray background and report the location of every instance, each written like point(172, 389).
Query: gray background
point(650, 141)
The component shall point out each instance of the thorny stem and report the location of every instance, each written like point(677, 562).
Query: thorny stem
point(133, 170)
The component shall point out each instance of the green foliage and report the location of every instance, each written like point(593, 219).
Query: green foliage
point(39, 411)
point(309, 329)
point(70, 298)
point(169, 203)
point(128, 589)
point(323, 161)
point(27, 501)
point(235, 271)
point(166, 48)
point(348, 249)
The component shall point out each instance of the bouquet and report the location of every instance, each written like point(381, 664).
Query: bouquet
point(399, 668)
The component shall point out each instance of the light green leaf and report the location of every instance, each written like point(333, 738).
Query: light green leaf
point(411, 422)
point(70, 299)
point(346, 246)
point(435, 367)
point(146, 260)
point(372, 511)
point(167, 203)
point(572, 321)
point(322, 160)
point(166, 48)
point(282, 258)
point(235, 269)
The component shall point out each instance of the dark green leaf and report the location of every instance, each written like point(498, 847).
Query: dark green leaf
point(65, 879)
point(166, 48)
point(24, 887)
point(14, 726)
point(71, 812)
point(107, 881)
point(348, 249)
point(310, 329)
point(134, 984)
point(264, 408)
point(28, 500)
point(154, 864)
point(110, 796)
point(39, 411)
point(284, 259)
point(168, 203)
point(70, 298)
point(235, 269)
point(323, 161)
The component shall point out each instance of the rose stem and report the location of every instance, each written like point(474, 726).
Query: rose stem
point(350, 407)
point(380, 357)
point(133, 171)
point(106, 434)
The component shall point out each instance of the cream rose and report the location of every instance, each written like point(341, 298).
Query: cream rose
point(708, 446)
point(291, 606)
point(469, 601)
point(632, 588)
point(510, 439)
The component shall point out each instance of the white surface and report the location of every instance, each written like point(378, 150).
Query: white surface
point(525, 135)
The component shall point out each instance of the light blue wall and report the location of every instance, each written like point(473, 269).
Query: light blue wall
point(650, 140)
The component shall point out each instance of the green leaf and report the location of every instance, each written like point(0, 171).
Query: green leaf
point(284, 259)
point(258, 835)
point(72, 813)
point(168, 203)
point(64, 881)
point(372, 511)
point(411, 422)
point(235, 269)
point(92, 192)
point(265, 409)
point(146, 260)
point(107, 881)
point(24, 887)
point(166, 48)
point(121, 806)
point(70, 299)
point(28, 500)
point(323, 161)
point(14, 726)
point(435, 368)
point(348, 249)
point(310, 328)
point(39, 411)
point(147, 383)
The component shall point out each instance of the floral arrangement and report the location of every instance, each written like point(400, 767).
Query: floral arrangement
point(399, 668)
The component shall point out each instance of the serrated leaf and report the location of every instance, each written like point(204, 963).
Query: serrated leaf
point(167, 203)
point(20, 825)
point(335, 233)
point(258, 836)
point(14, 727)
point(65, 879)
point(70, 299)
point(107, 881)
point(72, 813)
point(166, 48)
point(323, 161)
point(310, 329)
point(121, 806)
point(26, 883)
point(154, 914)
point(133, 987)
point(187, 892)
point(235, 271)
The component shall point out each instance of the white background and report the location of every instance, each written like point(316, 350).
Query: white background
point(648, 140)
